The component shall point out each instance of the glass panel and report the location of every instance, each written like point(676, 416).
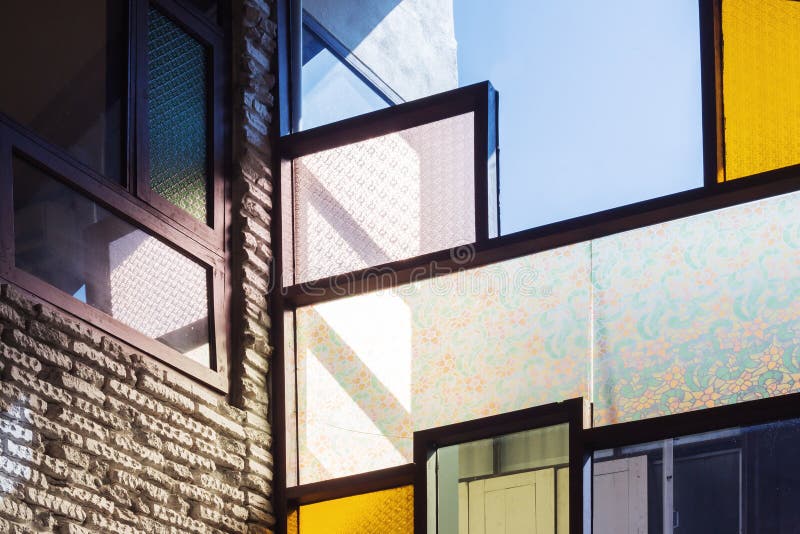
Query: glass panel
point(80, 248)
point(177, 115)
point(761, 85)
point(504, 484)
point(617, 121)
point(389, 198)
point(388, 512)
point(684, 315)
point(698, 312)
point(326, 79)
point(65, 65)
point(373, 368)
point(736, 480)
point(293, 522)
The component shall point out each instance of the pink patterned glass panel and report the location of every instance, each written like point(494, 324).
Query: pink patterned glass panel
point(385, 199)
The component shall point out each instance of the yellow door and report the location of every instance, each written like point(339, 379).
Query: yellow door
point(523, 503)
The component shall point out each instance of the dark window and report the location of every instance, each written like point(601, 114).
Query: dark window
point(65, 76)
point(209, 8)
point(111, 159)
point(736, 480)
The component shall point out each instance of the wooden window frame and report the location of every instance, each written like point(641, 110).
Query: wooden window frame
point(133, 200)
point(712, 195)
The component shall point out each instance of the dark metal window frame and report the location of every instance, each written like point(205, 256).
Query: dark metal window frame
point(574, 412)
point(713, 195)
point(134, 201)
point(584, 440)
point(740, 415)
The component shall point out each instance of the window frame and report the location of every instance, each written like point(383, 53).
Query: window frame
point(479, 99)
point(133, 201)
point(211, 38)
point(574, 412)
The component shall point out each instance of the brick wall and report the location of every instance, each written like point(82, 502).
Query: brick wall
point(97, 437)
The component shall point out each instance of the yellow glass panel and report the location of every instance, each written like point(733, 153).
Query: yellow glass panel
point(292, 522)
point(388, 512)
point(761, 85)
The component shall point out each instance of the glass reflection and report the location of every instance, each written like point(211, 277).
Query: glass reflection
point(326, 78)
point(735, 480)
point(512, 483)
point(82, 249)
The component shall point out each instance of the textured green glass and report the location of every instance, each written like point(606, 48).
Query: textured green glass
point(177, 115)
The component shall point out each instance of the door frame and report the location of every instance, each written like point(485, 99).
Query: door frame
point(574, 412)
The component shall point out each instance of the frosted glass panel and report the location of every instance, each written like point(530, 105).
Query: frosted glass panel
point(375, 367)
point(698, 312)
point(388, 512)
point(385, 199)
point(689, 314)
point(177, 115)
point(761, 85)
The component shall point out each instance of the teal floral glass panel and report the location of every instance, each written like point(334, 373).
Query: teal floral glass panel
point(373, 368)
point(177, 115)
point(699, 312)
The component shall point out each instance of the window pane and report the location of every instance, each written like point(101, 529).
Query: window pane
point(373, 368)
point(684, 315)
point(697, 312)
point(600, 102)
point(80, 248)
point(505, 484)
point(66, 67)
point(761, 85)
point(735, 480)
point(325, 78)
point(385, 199)
point(177, 115)
point(388, 512)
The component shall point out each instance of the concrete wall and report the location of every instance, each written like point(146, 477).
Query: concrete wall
point(97, 437)
point(409, 44)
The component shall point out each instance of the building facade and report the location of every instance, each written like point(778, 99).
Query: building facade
point(256, 273)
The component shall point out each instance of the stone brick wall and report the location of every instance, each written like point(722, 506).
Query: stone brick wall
point(95, 436)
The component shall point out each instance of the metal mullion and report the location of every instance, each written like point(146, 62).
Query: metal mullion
point(6, 205)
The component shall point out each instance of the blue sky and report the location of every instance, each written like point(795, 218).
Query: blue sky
point(600, 102)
